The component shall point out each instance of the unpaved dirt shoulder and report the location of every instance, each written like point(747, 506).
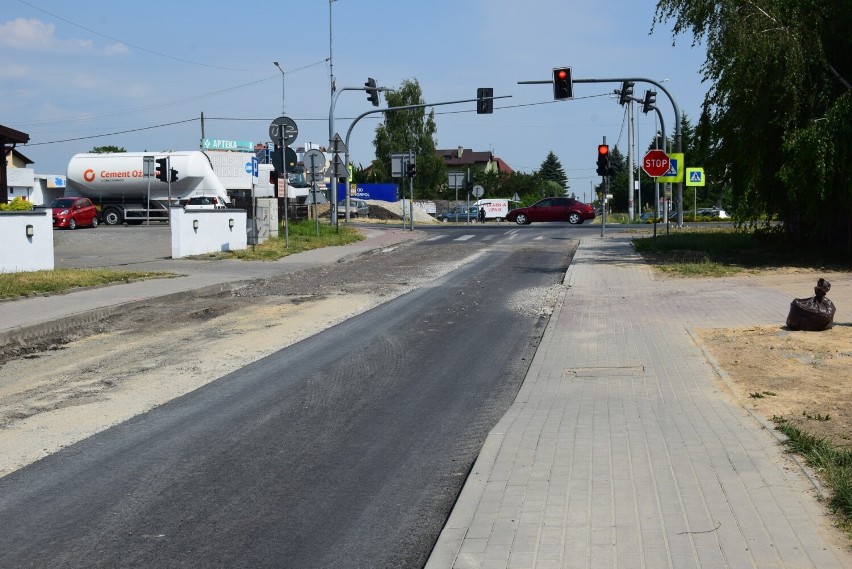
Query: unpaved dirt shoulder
point(804, 378)
point(86, 380)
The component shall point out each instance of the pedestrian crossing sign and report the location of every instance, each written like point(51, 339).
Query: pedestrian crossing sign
point(695, 176)
point(675, 173)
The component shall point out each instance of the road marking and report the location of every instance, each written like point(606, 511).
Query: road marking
point(463, 238)
point(436, 237)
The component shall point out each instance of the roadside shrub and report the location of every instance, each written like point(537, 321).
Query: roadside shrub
point(17, 204)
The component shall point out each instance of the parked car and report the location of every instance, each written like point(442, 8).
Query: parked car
point(713, 212)
point(553, 209)
point(460, 213)
point(357, 208)
point(204, 202)
point(74, 212)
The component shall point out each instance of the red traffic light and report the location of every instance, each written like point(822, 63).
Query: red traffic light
point(603, 149)
point(563, 87)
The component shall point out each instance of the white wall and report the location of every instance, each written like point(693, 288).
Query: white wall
point(19, 253)
point(217, 230)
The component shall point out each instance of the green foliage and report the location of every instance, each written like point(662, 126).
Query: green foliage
point(735, 250)
point(15, 285)
point(302, 237)
point(106, 149)
point(551, 170)
point(17, 204)
point(414, 130)
point(833, 464)
point(776, 125)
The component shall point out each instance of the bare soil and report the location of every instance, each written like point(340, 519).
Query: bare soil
point(802, 377)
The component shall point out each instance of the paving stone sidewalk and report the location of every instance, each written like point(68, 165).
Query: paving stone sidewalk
point(624, 449)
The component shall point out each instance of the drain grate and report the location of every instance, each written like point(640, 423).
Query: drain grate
point(606, 371)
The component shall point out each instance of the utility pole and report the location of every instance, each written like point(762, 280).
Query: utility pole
point(630, 159)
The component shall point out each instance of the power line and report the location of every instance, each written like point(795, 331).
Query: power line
point(112, 133)
point(231, 118)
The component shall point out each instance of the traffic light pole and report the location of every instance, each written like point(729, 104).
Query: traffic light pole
point(604, 199)
point(333, 201)
point(400, 108)
point(678, 119)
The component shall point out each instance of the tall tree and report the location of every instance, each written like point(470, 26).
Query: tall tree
point(779, 108)
point(414, 130)
point(551, 169)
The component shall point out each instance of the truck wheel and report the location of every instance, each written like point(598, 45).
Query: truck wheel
point(112, 216)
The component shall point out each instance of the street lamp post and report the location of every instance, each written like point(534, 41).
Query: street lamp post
point(283, 87)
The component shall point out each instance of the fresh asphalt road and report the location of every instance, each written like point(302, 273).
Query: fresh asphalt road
point(347, 449)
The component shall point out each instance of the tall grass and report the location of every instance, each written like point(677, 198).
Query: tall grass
point(15, 285)
point(302, 237)
point(725, 251)
point(833, 464)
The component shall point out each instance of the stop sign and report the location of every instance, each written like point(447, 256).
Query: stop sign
point(656, 163)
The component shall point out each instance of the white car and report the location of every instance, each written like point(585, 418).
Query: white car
point(204, 202)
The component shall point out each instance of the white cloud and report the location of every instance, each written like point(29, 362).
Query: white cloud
point(35, 35)
point(116, 49)
point(14, 70)
point(26, 34)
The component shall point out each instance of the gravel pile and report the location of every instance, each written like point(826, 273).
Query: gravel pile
point(393, 210)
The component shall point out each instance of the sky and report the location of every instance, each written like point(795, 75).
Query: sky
point(139, 75)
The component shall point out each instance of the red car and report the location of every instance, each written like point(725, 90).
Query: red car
point(74, 212)
point(553, 209)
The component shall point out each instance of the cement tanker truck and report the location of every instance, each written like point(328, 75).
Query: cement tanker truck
point(117, 184)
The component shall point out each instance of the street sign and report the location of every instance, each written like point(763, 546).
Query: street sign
point(477, 191)
point(232, 145)
point(148, 168)
point(695, 177)
point(655, 163)
point(337, 145)
point(283, 128)
point(675, 172)
point(314, 160)
point(456, 180)
point(398, 162)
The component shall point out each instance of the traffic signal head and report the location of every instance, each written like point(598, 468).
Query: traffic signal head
point(626, 92)
point(173, 175)
point(603, 160)
point(372, 91)
point(484, 102)
point(648, 103)
point(563, 88)
point(411, 170)
point(162, 169)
